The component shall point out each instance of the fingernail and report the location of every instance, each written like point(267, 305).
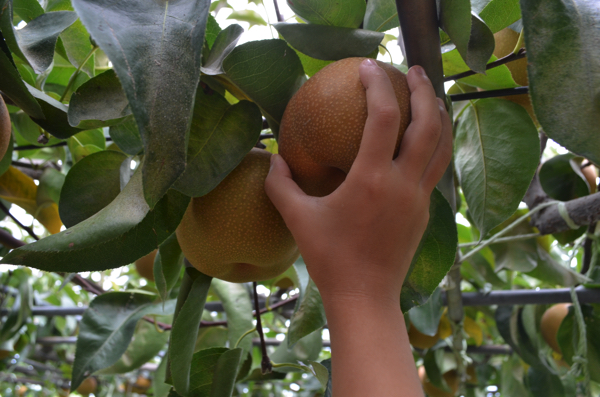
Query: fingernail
point(418, 69)
point(370, 62)
point(441, 104)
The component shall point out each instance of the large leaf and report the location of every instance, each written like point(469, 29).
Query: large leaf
point(167, 266)
point(329, 43)
point(106, 329)
point(222, 46)
point(55, 119)
point(226, 372)
point(434, 256)
point(494, 79)
point(563, 65)
point(147, 342)
point(99, 102)
point(75, 43)
point(27, 9)
point(20, 189)
point(122, 232)
point(127, 136)
point(155, 49)
point(381, 15)
point(192, 296)
point(220, 137)
point(92, 184)
point(213, 372)
point(268, 72)
point(308, 317)
point(12, 86)
point(498, 14)
point(238, 308)
point(561, 178)
point(347, 14)
point(496, 155)
point(306, 349)
point(471, 36)
point(38, 39)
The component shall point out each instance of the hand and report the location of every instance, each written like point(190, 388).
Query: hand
point(358, 242)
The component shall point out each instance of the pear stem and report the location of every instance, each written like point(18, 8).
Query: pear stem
point(266, 366)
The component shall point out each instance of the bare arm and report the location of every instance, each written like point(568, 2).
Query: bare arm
point(358, 242)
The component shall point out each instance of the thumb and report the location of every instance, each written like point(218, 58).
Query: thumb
point(285, 194)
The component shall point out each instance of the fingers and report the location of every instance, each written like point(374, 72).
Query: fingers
point(423, 133)
point(383, 120)
point(442, 154)
point(284, 193)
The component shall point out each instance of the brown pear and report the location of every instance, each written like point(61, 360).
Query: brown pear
point(145, 266)
point(5, 128)
point(235, 233)
point(323, 123)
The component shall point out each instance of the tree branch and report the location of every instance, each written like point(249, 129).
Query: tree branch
point(510, 57)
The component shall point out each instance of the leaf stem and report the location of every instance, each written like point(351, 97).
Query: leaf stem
point(243, 336)
point(520, 42)
point(502, 240)
point(506, 230)
point(76, 73)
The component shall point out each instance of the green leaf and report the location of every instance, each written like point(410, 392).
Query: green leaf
point(498, 14)
point(122, 232)
point(167, 266)
point(561, 178)
point(55, 119)
point(238, 308)
point(147, 342)
point(161, 388)
point(192, 296)
point(75, 40)
point(347, 14)
point(305, 350)
point(496, 155)
point(381, 15)
point(38, 39)
point(20, 312)
point(521, 255)
point(212, 30)
point(543, 383)
point(327, 364)
point(225, 373)
point(426, 317)
point(92, 184)
point(268, 72)
point(494, 79)
point(329, 43)
point(127, 136)
point(223, 45)
point(12, 86)
point(159, 76)
point(27, 9)
point(106, 329)
point(511, 386)
point(250, 16)
point(213, 371)
point(220, 137)
point(8, 30)
point(308, 317)
point(568, 338)
point(435, 254)
point(49, 187)
point(563, 66)
point(99, 102)
point(471, 36)
point(321, 373)
point(310, 64)
point(210, 337)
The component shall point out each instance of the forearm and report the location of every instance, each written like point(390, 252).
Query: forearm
point(371, 355)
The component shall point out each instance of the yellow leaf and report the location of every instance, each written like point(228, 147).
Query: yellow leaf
point(19, 189)
point(473, 330)
point(444, 327)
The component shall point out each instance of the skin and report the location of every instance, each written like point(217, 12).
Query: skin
point(358, 241)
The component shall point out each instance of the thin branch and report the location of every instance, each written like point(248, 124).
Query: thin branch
point(22, 226)
point(489, 94)
point(265, 365)
point(279, 16)
point(510, 57)
point(33, 147)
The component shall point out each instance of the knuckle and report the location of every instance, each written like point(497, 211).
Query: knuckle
point(387, 114)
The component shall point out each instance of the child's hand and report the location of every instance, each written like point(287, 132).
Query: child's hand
point(358, 242)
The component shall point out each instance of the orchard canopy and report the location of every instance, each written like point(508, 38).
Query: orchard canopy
point(114, 114)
